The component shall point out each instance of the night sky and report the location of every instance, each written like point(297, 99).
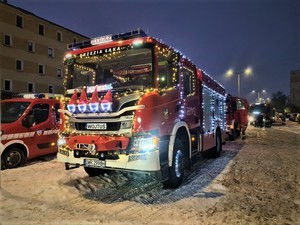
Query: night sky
point(215, 34)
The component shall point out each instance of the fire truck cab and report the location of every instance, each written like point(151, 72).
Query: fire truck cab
point(135, 104)
point(29, 128)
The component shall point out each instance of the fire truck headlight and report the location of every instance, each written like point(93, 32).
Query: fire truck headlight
point(251, 119)
point(94, 107)
point(61, 141)
point(125, 125)
point(145, 144)
point(82, 107)
point(71, 108)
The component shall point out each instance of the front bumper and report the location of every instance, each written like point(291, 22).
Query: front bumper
point(142, 162)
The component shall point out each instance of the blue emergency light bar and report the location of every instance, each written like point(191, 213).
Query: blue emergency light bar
point(107, 38)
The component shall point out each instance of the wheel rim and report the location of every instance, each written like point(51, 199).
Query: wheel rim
point(13, 158)
point(178, 163)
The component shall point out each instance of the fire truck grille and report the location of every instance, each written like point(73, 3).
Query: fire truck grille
point(115, 126)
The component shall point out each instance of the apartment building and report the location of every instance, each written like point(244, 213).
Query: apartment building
point(295, 87)
point(32, 51)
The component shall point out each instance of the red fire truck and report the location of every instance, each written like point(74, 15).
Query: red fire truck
point(135, 104)
point(237, 114)
point(29, 128)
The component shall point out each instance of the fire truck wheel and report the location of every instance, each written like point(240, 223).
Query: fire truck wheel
point(218, 148)
point(93, 172)
point(12, 158)
point(177, 168)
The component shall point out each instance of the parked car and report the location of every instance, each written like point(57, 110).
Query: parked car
point(298, 118)
point(293, 117)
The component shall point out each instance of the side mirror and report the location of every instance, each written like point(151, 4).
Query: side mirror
point(234, 106)
point(28, 121)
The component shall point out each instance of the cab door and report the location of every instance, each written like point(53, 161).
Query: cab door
point(44, 140)
point(190, 96)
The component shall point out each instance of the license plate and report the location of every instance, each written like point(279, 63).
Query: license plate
point(94, 163)
point(96, 126)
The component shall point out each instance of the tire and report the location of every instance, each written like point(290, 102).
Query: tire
point(93, 172)
point(216, 152)
point(12, 158)
point(176, 171)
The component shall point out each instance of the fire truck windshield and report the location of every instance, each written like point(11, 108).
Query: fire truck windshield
point(124, 67)
point(11, 111)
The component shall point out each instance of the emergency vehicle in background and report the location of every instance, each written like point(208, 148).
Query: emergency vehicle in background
point(135, 104)
point(262, 114)
point(237, 116)
point(30, 125)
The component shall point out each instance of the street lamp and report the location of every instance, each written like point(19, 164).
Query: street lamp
point(258, 94)
point(231, 72)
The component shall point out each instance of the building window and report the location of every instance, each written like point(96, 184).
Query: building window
point(7, 85)
point(50, 89)
point(41, 69)
point(41, 29)
point(59, 73)
point(30, 87)
point(59, 36)
point(7, 40)
point(50, 52)
point(30, 46)
point(19, 21)
point(19, 65)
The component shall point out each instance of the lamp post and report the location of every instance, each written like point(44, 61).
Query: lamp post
point(231, 72)
point(259, 95)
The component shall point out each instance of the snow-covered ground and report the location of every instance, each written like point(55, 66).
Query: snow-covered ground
point(216, 191)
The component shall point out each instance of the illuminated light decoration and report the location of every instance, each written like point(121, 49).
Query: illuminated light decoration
point(104, 87)
point(82, 105)
point(73, 102)
point(94, 102)
point(137, 43)
point(106, 103)
point(101, 40)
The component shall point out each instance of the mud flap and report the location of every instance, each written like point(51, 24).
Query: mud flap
point(68, 166)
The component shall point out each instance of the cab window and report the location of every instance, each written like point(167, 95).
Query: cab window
point(188, 82)
point(57, 114)
point(40, 113)
point(240, 104)
point(167, 69)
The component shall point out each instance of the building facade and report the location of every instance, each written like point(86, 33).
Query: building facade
point(32, 51)
point(295, 88)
